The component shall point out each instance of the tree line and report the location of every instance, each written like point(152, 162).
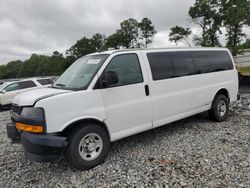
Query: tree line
point(211, 16)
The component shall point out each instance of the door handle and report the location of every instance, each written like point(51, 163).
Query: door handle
point(146, 90)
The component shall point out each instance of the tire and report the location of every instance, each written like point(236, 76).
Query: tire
point(88, 146)
point(219, 109)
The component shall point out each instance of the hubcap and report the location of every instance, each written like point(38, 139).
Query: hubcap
point(90, 146)
point(222, 108)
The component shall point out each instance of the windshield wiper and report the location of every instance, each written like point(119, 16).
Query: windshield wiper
point(62, 85)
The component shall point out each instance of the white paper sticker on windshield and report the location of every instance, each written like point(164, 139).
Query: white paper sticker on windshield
point(93, 61)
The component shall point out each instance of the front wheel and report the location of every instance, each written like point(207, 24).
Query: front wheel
point(219, 109)
point(88, 146)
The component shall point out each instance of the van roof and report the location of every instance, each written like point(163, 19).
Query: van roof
point(159, 49)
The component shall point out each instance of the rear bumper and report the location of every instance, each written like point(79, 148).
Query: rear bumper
point(41, 148)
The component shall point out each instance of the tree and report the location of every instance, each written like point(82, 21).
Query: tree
point(4, 72)
point(128, 33)
point(246, 45)
point(236, 15)
point(206, 14)
point(114, 41)
point(147, 30)
point(14, 68)
point(82, 47)
point(57, 64)
point(178, 34)
point(36, 65)
point(99, 41)
point(86, 46)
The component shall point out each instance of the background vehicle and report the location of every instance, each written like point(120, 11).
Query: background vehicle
point(107, 96)
point(9, 90)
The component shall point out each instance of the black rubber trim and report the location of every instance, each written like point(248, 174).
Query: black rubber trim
point(43, 148)
point(13, 133)
point(5, 107)
point(39, 158)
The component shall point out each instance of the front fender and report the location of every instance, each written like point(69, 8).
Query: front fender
point(61, 110)
point(79, 119)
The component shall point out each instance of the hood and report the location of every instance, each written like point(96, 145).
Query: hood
point(30, 97)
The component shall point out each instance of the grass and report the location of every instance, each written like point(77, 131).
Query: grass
point(244, 70)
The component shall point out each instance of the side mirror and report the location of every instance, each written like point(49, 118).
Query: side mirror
point(3, 91)
point(110, 78)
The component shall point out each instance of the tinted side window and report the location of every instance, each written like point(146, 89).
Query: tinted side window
point(12, 87)
point(161, 65)
point(45, 81)
point(212, 61)
point(127, 67)
point(182, 63)
point(26, 84)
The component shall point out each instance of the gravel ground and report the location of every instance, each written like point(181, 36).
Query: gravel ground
point(194, 152)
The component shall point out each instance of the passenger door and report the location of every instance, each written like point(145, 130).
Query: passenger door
point(127, 104)
point(171, 86)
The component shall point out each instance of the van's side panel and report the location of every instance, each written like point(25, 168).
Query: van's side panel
point(207, 85)
point(173, 97)
point(177, 98)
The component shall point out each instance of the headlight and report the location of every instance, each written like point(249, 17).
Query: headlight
point(33, 113)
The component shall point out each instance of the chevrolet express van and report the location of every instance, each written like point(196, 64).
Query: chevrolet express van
point(110, 95)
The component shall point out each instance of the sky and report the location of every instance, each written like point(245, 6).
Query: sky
point(32, 26)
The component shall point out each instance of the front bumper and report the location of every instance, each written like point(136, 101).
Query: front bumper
point(41, 148)
point(238, 97)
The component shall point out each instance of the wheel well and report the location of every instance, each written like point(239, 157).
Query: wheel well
point(80, 123)
point(223, 92)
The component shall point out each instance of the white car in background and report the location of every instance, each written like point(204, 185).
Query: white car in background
point(8, 90)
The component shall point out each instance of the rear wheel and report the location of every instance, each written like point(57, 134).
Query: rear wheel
point(88, 146)
point(219, 109)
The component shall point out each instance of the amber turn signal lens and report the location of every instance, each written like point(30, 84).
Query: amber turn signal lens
point(29, 128)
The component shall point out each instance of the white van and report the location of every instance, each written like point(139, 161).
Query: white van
point(8, 90)
point(110, 95)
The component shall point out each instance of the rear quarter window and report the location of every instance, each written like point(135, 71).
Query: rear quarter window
point(27, 84)
point(212, 61)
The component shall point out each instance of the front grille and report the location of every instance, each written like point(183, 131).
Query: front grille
point(15, 109)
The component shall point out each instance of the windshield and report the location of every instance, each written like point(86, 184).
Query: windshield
point(79, 75)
